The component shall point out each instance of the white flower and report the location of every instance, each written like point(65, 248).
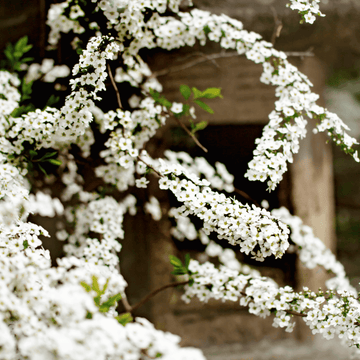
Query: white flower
point(142, 182)
point(176, 108)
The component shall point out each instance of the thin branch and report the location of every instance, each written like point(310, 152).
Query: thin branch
point(220, 55)
point(247, 197)
point(153, 293)
point(126, 304)
point(301, 54)
point(114, 86)
point(206, 58)
point(278, 26)
point(149, 166)
point(191, 135)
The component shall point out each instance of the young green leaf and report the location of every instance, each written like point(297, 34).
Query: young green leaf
point(124, 319)
point(104, 307)
point(179, 271)
point(95, 285)
point(86, 286)
point(54, 161)
point(20, 45)
point(197, 93)
point(43, 170)
point(199, 126)
point(48, 155)
point(211, 93)
point(204, 106)
point(176, 262)
point(185, 91)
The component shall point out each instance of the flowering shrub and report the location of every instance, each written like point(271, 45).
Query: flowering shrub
point(71, 311)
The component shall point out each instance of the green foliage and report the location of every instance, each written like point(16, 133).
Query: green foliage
point(198, 126)
point(204, 106)
point(105, 306)
point(24, 109)
point(209, 93)
point(179, 267)
point(124, 319)
point(14, 54)
point(160, 99)
point(185, 91)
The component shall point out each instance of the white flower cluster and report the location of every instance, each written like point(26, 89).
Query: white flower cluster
point(47, 308)
point(218, 177)
point(254, 229)
point(58, 22)
point(44, 205)
point(10, 95)
point(313, 252)
point(227, 257)
point(103, 216)
point(287, 124)
point(328, 314)
point(308, 9)
point(46, 71)
point(43, 307)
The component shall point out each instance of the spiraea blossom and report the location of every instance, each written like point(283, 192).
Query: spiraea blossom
point(308, 9)
point(76, 303)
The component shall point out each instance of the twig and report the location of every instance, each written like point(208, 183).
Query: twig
point(126, 304)
point(153, 293)
point(278, 26)
point(211, 57)
point(149, 166)
point(197, 53)
point(300, 53)
point(114, 86)
point(191, 135)
point(247, 197)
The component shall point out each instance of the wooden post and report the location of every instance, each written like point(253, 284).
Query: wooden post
point(313, 187)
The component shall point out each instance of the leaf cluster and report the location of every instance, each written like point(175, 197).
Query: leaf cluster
point(46, 158)
point(179, 267)
point(105, 306)
point(15, 54)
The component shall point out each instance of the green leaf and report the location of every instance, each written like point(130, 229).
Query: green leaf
point(54, 161)
point(124, 319)
point(89, 315)
point(175, 261)
point(197, 93)
point(52, 100)
point(160, 99)
point(48, 155)
point(32, 153)
point(26, 49)
point(86, 286)
point(18, 54)
point(185, 91)
point(25, 244)
point(43, 170)
point(204, 106)
point(104, 307)
point(20, 45)
point(199, 126)
point(22, 110)
point(9, 54)
point(207, 30)
point(211, 93)
point(27, 59)
point(179, 271)
point(95, 284)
